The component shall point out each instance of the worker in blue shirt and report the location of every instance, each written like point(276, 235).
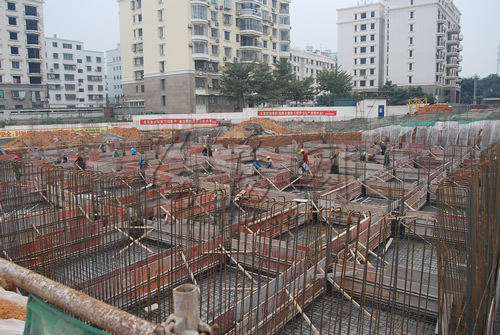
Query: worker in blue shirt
point(257, 165)
point(141, 162)
point(133, 151)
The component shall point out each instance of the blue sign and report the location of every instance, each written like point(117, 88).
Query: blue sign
point(381, 110)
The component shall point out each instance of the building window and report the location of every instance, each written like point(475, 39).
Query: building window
point(16, 79)
point(163, 100)
point(355, 28)
point(363, 38)
point(372, 26)
point(355, 16)
point(411, 27)
point(68, 56)
point(13, 35)
point(372, 37)
point(411, 2)
point(411, 40)
point(78, 47)
point(410, 79)
point(70, 87)
point(14, 50)
point(89, 68)
point(12, 21)
point(372, 60)
point(162, 82)
point(355, 50)
point(79, 61)
point(355, 39)
point(67, 46)
point(200, 82)
point(162, 49)
point(227, 35)
point(56, 66)
point(198, 12)
point(98, 59)
point(410, 66)
point(363, 15)
point(372, 14)
point(58, 97)
point(228, 52)
point(54, 44)
point(161, 32)
point(11, 6)
point(410, 53)
point(69, 77)
point(362, 83)
point(98, 69)
point(30, 10)
point(227, 19)
point(215, 50)
point(88, 58)
point(363, 27)
point(411, 15)
point(372, 48)
point(362, 50)
point(372, 82)
point(213, 16)
point(362, 61)
point(16, 64)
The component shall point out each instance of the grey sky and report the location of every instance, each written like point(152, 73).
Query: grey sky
point(95, 22)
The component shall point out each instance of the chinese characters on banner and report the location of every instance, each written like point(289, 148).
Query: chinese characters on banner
point(298, 113)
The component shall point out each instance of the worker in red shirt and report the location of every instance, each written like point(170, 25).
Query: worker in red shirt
point(305, 160)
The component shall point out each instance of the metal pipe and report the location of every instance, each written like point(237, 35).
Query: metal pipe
point(83, 306)
point(187, 305)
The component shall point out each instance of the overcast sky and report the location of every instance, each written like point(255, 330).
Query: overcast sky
point(95, 22)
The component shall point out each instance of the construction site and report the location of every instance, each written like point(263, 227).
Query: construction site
point(393, 238)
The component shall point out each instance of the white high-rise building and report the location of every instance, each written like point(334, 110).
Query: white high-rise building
point(22, 58)
point(114, 75)
point(75, 76)
point(173, 51)
point(410, 43)
point(306, 63)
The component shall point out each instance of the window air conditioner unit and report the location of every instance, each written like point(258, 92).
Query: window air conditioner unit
point(235, 59)
point(225, 59)
point(190, 44)
point(216, 23)
point(274, 10)
point(238, 13)
point(190, 26)
point(217, 41)
point(272, 24)
point(221, 7)
point(216, 7)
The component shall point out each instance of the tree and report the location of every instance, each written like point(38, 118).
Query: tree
point(400, 96)
point(235, 83)
point(261, 84)
point(489, 87)
point(301, 90)
point(283, 76)
point(467, 88)
point(337, 82)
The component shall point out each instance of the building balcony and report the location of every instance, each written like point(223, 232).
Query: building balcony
point(251, 31)
point(452, 53)
point(453, 41)
point(32, 15)
point(284, 11)
point(441, 20)
point(200, 2)
point(460, 37)
point(247, 46)
point(441, 32)
point(200, 55)
point(452, 76)
point(440, 72)
point(203, 38)
point(249, 13)
point(250, 56)
point(452, 65)
point(459, 58)
point(459, 69)
point(460, 48)
point(454, 29)
point(441, 46)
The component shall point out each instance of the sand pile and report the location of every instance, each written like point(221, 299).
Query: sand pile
point(11, 310)
point(240, 131)
point(53, 139)
point(130, 134)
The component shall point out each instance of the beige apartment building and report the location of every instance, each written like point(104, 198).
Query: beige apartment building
point(173, 52)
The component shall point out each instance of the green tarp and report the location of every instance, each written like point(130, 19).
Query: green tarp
point(43, 319)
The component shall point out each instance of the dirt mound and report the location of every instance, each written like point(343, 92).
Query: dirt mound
point(53, 139)
point(240, 131)
point(11, 310)
point(437, 108)
point(130, 134)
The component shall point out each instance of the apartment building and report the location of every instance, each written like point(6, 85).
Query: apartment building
point(114, 75)
point(173, 51)
point(75, 76)
point(408, 42)
point(309, 62)
point(22, 61)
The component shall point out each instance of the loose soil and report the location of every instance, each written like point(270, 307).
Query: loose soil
point(53, 140)
point(240, 132)
point(130, 134)
point(11, 310)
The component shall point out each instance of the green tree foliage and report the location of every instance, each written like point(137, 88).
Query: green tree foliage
point(336, 82)
point(301, 90)
point(236, 83)
point(258, 84)
point(400, 96)
point(487, 87)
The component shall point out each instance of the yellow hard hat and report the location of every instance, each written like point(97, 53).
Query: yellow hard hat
point(258, 159)
point(301, 151)
point(268, 157)
point(204, 146)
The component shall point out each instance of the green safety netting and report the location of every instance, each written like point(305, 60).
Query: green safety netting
point(43, 319)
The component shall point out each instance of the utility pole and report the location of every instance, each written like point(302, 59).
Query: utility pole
point(475, 90)
point(498, 62)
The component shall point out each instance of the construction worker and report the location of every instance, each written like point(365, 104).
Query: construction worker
point(207, 140)
point(115, 153)
point(133, 151)
point(205, 150)
point(141, 163)
point(387, 159)
point(64, 158)
point(257, 165)
point(270, 164)
point(334, 160)
point(17, 167)
point(79, 162)
point(305, 160)
point(209, 150)
point(382, 148)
